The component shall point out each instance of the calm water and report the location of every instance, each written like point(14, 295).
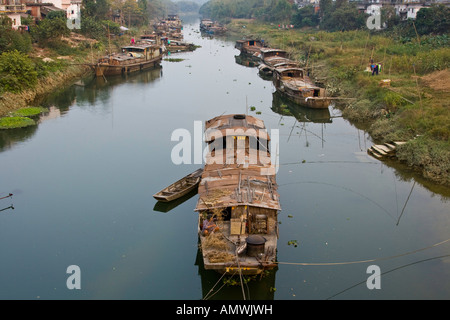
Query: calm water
point(83, 181)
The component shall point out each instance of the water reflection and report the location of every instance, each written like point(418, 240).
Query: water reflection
point(167, 206)
point(284, 107)
point(10, 138)
point(85, 92)
point(245, 61)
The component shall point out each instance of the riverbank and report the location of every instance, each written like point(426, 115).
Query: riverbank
point(406, 101)
point(13, 101)
point(60, 70)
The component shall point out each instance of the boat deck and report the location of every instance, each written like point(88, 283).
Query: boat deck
point(227, 262)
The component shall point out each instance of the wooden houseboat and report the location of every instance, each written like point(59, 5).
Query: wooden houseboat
point(212, 27)
point(173, 45)
point(271, 57)
point(133, 58)
point(249, 46)
point(295, 85)
point(267, 71)
point(238, 189)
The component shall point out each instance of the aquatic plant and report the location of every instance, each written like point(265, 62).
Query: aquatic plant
point(28, 112)
point(15, 122)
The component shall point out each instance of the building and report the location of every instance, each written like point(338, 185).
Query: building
point(14, 10)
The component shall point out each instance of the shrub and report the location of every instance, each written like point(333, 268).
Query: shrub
point(16, 71)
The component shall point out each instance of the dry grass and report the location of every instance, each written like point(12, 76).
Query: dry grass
point(438, 80)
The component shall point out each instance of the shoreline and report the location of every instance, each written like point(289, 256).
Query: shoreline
point(29, 97)
point(422, 153)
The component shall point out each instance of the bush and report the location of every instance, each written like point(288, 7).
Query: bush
point(16, 71)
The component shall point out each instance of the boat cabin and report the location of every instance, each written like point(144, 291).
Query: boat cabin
point(238, 188)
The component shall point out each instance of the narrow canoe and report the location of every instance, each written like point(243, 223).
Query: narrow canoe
point(180, 187)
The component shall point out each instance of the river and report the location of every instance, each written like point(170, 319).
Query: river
point(84, 177)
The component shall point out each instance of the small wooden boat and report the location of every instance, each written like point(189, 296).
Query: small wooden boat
point(179, 188)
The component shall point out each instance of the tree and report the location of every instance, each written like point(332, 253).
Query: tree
point(326, 7)
point(305, 17)
point(433, 20)
point(11, 39)
point(98, 9)
point(347, 17)
point(51, 28)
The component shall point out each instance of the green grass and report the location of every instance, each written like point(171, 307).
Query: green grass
point(28, 112)
point(15, 122)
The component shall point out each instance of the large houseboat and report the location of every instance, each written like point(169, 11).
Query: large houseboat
point(271, 56)
point(249, 47)
point(296, 86)
point(134, 57)
point(238, 194)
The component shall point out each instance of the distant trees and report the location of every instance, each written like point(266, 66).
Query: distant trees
point(305, 17)
point(343, 16)
point(435, 19)
point(279, 11)
point(339, 15)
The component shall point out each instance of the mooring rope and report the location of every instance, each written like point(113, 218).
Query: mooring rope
point(360, 261)
point(207, 295)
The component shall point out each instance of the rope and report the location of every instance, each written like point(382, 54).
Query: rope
point(404, 266)
point(206, 296)
point(360, 261)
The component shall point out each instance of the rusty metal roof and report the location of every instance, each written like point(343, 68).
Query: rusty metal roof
point(235, 176)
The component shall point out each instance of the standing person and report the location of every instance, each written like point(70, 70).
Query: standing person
point(132, 40)
point(375, 69)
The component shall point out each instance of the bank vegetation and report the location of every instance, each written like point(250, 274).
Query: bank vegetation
point(407, 101)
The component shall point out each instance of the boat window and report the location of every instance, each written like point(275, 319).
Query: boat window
point(316, 92)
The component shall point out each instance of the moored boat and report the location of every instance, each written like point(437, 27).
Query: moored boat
point(212, 27)
point(134, 57)
point(249, 46)
point(296, 86)
point(177, 45)
point(238, 189)
point(271, 56)
point(180, 187)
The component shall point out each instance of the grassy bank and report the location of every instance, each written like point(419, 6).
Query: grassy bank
point(413, 108)
point(10, 102)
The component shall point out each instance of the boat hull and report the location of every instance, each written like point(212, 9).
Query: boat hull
point(179, 188)
point(310, 102)
point(105, 69)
